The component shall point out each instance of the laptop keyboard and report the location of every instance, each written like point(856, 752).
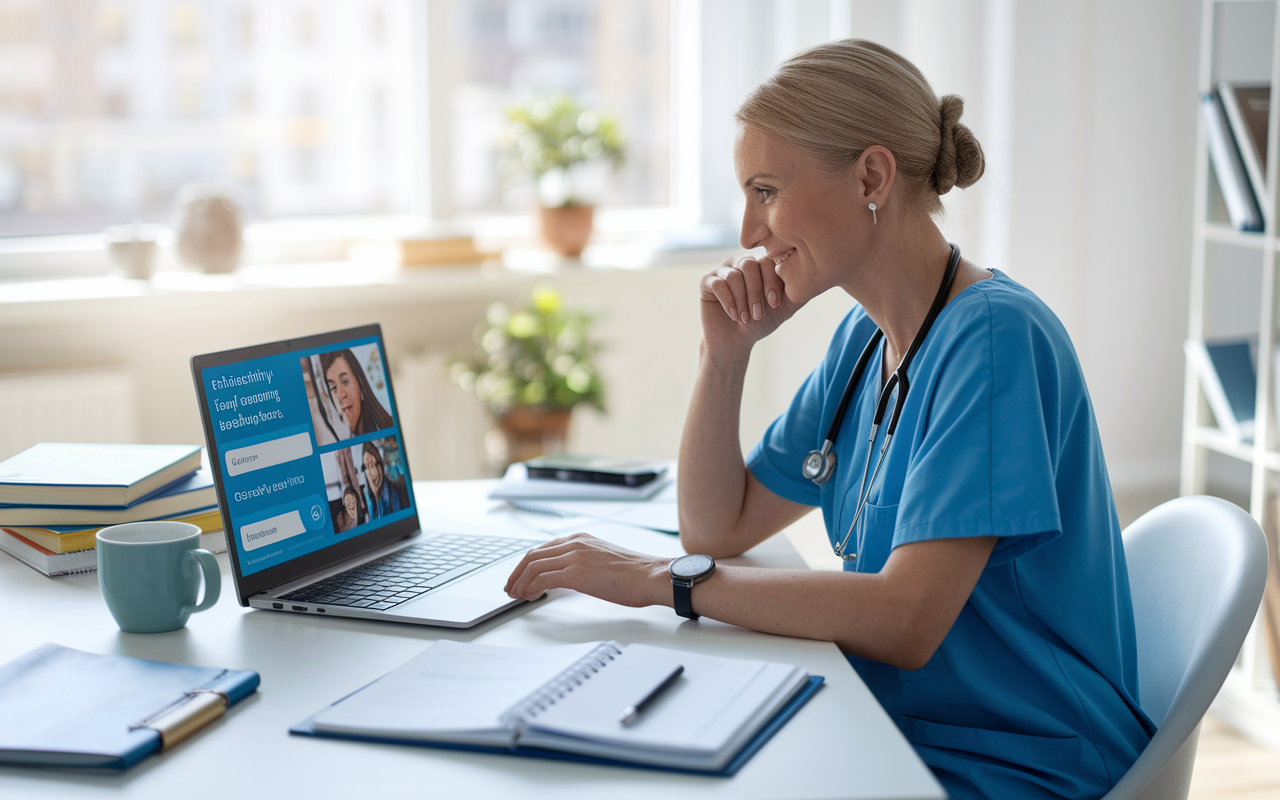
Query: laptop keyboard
point(409, 573)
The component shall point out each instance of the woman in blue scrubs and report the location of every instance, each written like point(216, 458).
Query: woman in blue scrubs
point(987, 604)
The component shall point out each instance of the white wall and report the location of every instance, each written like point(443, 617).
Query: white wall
point(1101, 201)
point(1086, 109)
point(1087, 113)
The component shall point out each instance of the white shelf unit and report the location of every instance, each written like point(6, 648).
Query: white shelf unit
point(1239, 41)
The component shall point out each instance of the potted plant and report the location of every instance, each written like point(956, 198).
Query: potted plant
point(533, 367)
point(562, 145)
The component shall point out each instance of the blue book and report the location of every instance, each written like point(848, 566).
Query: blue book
point(1230, 383)
point(114, 475)
point(66, 708)
point(185, 495)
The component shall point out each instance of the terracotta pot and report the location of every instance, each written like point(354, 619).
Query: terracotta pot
point(532, 431)
point(565, 230)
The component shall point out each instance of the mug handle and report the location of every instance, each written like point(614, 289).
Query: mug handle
point(212, 580)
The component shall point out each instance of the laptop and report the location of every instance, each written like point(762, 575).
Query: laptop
point(316, 494)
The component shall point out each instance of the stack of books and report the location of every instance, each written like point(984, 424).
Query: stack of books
point(1235, 117)
point(55, 497)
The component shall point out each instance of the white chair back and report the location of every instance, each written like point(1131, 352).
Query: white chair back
point(1197, 568)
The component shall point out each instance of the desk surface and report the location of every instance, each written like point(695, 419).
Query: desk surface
point(841, 744)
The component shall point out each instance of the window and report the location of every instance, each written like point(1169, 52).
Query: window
point(614, 55)
point(105, 116)
point(307, 108)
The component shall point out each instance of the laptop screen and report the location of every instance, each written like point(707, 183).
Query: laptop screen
point(308, 446)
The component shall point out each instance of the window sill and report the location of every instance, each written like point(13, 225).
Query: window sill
point(307, 241)
point(333, 284)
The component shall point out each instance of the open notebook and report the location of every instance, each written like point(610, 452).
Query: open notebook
point(567, 699)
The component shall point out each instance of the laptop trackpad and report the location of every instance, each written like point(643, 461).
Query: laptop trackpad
point(469, 598)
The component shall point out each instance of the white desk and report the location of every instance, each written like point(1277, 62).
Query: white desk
point(840, 745)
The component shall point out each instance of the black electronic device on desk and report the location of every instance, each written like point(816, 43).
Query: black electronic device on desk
point(596, 469)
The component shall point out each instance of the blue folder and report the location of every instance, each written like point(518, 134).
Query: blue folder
point(306, 728)
point(66, 708)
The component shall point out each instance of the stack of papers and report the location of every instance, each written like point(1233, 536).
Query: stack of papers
point(650, 506)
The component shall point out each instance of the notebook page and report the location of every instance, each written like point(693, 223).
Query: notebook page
point(448, 689)
point(709, 706)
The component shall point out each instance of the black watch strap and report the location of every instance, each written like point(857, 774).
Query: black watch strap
point(683, 592)
point(685, 572)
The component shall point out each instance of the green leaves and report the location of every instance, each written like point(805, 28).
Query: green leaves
point(559, 134)
point(539, 356)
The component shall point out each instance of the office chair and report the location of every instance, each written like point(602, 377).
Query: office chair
point(1197, 568)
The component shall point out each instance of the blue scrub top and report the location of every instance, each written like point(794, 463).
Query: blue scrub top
point(1034, 691)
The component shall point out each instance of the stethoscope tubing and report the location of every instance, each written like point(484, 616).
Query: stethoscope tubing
point(897, 381)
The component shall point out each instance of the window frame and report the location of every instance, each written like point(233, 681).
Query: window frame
point(702, 190)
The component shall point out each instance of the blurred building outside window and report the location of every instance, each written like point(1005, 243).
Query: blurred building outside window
point(307, 108)
point(611, 55)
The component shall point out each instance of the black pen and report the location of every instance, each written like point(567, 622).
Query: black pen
point(630, 713)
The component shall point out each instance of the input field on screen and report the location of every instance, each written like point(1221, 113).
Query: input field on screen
point(270, 531)
point(268, 454)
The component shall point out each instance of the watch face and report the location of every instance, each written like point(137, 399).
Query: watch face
point(691, 566)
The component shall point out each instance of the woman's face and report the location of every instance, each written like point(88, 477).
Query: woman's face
point(349, 503)
point(806, 219)
point(346, 390)
point(371, 470)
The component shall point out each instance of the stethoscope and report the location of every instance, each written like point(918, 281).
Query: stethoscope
point(820, 465)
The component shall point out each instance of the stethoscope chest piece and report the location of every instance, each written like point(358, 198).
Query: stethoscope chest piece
point(820, 465)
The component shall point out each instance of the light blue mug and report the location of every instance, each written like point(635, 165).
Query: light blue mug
point(150, 573)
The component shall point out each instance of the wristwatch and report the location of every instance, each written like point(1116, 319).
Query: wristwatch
point(685, 572)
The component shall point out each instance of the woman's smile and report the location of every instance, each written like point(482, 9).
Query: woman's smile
point(781, 257)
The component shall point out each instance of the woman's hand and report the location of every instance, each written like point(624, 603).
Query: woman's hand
point(743, 301)
point(589, 565)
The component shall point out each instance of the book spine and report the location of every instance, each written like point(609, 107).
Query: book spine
point(1242, 207)
point(1244, 144)
point(562, 684)
point(1214, 393)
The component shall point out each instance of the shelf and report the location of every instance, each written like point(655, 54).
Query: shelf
point(1238, 41)
point(1223, 233)
point(1211, 438)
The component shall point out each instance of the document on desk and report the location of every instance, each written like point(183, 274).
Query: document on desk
point(566, 702)
point(517, 485)
point(658, 513)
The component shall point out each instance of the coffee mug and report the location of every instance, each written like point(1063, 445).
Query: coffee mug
point(133, 249)
point(150, 572)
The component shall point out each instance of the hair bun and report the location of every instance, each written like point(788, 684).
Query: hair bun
point(960, 162)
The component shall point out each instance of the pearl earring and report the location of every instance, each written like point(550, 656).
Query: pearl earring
point(872, 206)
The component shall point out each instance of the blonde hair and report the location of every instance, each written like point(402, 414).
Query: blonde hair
point(837, 99)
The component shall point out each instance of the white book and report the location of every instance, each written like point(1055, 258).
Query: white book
point(517, 485)
point(1247, 107)
point(1242, 206)
point(658, 513)
point(569, 698)
point(57, 565)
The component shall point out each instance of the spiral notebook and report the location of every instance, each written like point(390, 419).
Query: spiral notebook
point(564, 701)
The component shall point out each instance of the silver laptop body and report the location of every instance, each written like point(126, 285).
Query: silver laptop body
point(316, 495)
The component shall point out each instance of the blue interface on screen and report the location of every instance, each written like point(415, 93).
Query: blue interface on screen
point(309, 448)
